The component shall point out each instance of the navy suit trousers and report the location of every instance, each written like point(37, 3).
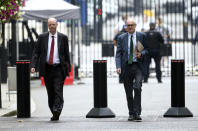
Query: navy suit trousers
point(132, 84)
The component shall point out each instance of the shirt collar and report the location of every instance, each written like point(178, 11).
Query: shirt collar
point(55, 35)
point(134, 34)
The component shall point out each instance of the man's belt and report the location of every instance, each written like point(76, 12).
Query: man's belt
point(133, 63)
point(53, 65)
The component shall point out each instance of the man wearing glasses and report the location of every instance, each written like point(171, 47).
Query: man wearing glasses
point(131, 49)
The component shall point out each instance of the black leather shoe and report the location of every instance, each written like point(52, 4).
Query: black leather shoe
point(137, 118)
point(159, 81)
point(131, 118)
point(55, 116)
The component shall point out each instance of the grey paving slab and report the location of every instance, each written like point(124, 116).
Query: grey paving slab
point(156, 98)
point(79, 101)
point(8, 100)
point(154, 123)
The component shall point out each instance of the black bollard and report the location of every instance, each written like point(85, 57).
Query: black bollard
point(23, 89)
point(0, 86)
point(178, 108)
point(100, 109)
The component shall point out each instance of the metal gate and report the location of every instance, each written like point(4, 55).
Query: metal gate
point(93, 35)
point(100, 18)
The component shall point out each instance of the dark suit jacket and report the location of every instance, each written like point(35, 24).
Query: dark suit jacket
point(122, 52)
point(40, 53)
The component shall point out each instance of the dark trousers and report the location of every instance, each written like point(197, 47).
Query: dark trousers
point(132, 85)
point(54, 81)
point(196, 38)
point(155, 54)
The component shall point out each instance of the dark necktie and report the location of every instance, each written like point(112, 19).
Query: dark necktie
point(130, 61)
point(51, 52)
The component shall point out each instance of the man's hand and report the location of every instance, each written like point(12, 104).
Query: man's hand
point(118, 71)
point(32, 70)
point(138, 55)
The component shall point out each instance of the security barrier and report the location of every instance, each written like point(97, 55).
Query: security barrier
point(178, 108)
point(23, 89)
point(100, 109)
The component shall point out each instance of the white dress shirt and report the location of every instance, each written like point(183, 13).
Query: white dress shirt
point(56, 59)
point(129, 45)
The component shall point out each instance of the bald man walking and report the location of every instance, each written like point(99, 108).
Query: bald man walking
point(52, 53)
point(129, 64)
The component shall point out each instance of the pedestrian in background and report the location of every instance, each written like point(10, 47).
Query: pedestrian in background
point(52, 53)
point(115, 39)
point(196, 38)
point(143, 25)
point(154, 40)
point(196, 35)
point(129, 65)
point(165, 31)
point(120, 24)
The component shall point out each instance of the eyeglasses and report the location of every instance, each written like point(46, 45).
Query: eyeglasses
point(131, 25)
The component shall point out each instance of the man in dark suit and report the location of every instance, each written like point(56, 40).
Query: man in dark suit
point(52, 53)
point(129, 64)
point(154, 40)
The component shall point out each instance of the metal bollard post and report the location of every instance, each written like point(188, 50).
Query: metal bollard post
point(100, 109)
point(178, 108)
point(0, 86)
point(23, 89)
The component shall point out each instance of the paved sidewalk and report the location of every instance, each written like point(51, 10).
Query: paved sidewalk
point(79, 101)
point(7, 105)
point(9, 102)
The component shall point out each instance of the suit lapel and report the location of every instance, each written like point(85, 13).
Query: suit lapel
point(59, 41)
point(126, 41)
point(46, 41)
point(137, 37)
